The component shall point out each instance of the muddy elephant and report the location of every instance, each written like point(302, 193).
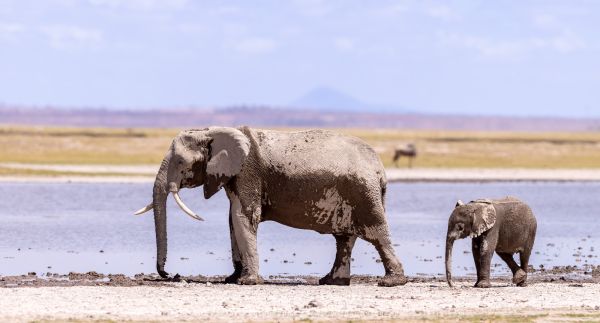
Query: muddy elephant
point(316, 180)
point(506, 226)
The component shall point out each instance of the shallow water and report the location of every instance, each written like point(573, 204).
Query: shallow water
point(89, 227)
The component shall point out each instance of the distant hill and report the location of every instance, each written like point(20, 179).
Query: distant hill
point(329, 99)
point(279, 117)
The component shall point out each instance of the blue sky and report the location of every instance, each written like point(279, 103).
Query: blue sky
point(458, 57)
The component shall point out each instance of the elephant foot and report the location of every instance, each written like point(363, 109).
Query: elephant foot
point(237, 273)
point(329, 280)
point(392, 280)
point(233, 278)
point(520, 278)
point(483, 284)
point(250, 280)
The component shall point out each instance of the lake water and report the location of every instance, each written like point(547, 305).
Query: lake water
point(90, 227)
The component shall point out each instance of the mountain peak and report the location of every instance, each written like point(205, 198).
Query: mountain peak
point(327, 98)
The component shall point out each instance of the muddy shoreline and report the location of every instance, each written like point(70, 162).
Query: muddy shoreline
point(558, 275)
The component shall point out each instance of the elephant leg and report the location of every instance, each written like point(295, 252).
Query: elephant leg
point(485, 248)
point(476, 257)
point(235, 256)
point(394, 273)
point(519, 275)
point(244, 232)
point(340, 272)
point(521, 279)
point(510, 261)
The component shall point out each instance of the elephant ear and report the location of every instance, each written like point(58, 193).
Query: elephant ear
point(484, 217)
point(228, 151)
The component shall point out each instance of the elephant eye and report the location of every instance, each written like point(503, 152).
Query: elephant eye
point(460, 226)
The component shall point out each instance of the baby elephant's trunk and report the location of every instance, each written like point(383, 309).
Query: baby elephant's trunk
point(449, 244)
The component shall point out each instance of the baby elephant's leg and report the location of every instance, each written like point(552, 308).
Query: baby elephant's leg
point(340, 272)
point(483, 250)
point(519, 275)
point(522, 280)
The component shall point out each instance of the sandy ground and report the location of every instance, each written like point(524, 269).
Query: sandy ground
point(93, 296)
point(218, 302)
point(146, 173)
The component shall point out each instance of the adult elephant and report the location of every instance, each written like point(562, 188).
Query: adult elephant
point(315, 179)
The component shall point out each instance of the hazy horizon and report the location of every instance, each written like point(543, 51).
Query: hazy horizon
point(527, 58)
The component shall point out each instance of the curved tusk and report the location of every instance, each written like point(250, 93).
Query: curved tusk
point(144, 209)
point(185, 208)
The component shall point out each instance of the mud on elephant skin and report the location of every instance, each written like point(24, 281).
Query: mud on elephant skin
point(506, 226)
point(316, 180)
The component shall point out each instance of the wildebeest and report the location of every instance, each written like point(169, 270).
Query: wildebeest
point(408, 150)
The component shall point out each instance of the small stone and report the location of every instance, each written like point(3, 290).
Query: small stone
point(313, 303)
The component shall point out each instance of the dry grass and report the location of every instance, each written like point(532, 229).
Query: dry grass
point(448, 149)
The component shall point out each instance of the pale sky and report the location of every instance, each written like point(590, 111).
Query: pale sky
point(457, 57)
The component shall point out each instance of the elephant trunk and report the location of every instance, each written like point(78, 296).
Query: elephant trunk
point(449, 244)
point(159, 203)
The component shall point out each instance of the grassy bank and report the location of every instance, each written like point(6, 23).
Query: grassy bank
point(443, 149)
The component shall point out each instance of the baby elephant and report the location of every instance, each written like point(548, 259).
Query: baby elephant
point(506, 226)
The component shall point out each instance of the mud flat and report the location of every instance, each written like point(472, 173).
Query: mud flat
point(96, 297)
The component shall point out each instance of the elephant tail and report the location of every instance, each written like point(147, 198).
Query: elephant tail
point(383, 185)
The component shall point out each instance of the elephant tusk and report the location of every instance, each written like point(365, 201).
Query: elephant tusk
point(144, 209)
point(185, 208)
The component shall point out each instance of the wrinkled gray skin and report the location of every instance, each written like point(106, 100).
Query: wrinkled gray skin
point(315, 180)
point(506, 226)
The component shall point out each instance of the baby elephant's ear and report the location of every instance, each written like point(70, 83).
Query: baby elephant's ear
point(484, 218)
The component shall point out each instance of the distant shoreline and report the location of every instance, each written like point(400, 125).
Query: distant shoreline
point(145, 174)
point(265, 116)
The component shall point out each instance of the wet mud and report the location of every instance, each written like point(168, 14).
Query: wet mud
point(559, 274)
